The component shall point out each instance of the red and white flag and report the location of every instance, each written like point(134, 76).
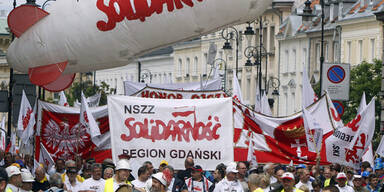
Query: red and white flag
point(63, 99)
point(87, 119)
point(26, 116)
point(380, 148)
point(236, 90)
point(265, 108)
point(3, 134)
point(308, 94)
point(46, 158)
point(26, 138)
point(368, 155)
point(313, 132)
point(257, 100)
point(12, 144)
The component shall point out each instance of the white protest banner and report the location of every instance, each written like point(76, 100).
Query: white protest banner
point(172, 130)
point(151, 92)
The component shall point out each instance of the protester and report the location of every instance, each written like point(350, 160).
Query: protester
point(87, 171)
point(163, 163)
point(304, 179)
point(242, 175)
point(41, 182)
point(8, 159)
point(174, 181)
point(278, 185)
point(197, 182)
point(14, 179)
point(229, 183)
point(316, 185)
point(330, 188)
point(253, 182)
point(264, 183)
point(341, 179)
point(159, 184)
point(373, 183)
point(59, 167)
point(149, 166)
point(328, 177)
point(108, 173)
point(288, 182)
point(95, 183)
point(56, 183)
point(72, 184)
point(218, 175)
point(269, 170)
point(357, 184)
point(27, 181)
point(143, 175)
point(3, 179)
point(70, 165)
point(185, 174)
point(123, 171)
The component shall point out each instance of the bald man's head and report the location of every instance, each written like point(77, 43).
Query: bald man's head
point(189, 163)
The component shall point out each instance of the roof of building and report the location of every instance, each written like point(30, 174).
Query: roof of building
point(360, 10)
point(158, 52)
point(3, 26)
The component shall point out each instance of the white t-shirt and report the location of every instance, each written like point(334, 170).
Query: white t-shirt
point(228, 186)
point(92, 185)
point(198, 186)
point(73, 188)
point(138, 184)
point(308, 184)
point(346, 188)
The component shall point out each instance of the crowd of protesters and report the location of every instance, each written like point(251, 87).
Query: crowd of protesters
point(80, 175)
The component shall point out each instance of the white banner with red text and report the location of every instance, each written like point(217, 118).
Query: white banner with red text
point(158, 93)
point(172, 130)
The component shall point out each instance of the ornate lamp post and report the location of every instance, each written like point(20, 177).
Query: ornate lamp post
point(228, 34)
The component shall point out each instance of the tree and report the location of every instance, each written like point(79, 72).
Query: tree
point(89, 89)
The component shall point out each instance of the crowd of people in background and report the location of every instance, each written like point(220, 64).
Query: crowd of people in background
point(85, 175)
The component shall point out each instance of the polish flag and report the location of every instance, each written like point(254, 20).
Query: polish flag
point(26, 116)
point(63, 99)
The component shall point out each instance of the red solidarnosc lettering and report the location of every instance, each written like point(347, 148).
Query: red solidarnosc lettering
point(26, 118)
point(176, 129)
point(351, 155)
point(353, 124)
point(143, 10)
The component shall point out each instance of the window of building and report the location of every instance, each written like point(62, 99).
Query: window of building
point(305, 58)
point(272, 39)
point(372, 49)
point(188, 66)
point(326, 55)
point(293, 105)
point(286, 103)
point(195, 65)
point(286, 67)
point(294, 60)
point(360, 50)
point(349, 51)
point(205, 63)
point(180, 68)
point(335, 52)
point(317, 56)
point(248, 90)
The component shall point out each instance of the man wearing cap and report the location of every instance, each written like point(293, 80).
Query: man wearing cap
point(27, 179)
point(341, 180)
point(288, 181)
point(123, 171)
point(357, 184)
point(14, 176)
point(163, 163)
point(70, 165)
point(72, 184)
point(159, 183)
point(95, 183)
point(304, 179)
point(197, 182)
point(229, 183)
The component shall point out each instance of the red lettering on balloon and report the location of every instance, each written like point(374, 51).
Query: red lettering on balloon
point(138, 10)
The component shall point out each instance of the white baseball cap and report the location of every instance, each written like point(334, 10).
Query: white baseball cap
point(27, 177)
point(357, 176)
point(12, 170)
point(161, 178)
point(123, 164)
point(341, 176)
point(231, 169)
point(287, 175)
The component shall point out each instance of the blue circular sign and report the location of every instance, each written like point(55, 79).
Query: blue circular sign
point(339, 107)
point(336, 74)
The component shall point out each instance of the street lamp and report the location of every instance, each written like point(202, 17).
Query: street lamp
point(145, 74)
point(274, 83)
point(228, 34)
point(306, 16)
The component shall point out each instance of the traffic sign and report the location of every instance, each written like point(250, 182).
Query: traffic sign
point(339, 107)
point(335, 80)
point(336, 74)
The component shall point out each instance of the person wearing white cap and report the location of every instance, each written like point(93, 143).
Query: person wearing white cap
point(123, 170)
point(14, 179)
point(229, 183)
point(358, 185)
point(159, 183)
point(341, 180)
point(27, 179)
point(288, 181)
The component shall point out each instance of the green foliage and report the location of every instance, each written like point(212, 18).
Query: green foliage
point(89, 89)
point(365, 77)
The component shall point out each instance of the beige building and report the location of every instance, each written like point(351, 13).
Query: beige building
point(190, 58)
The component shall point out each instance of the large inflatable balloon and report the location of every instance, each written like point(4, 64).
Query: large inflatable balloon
point(87, 35)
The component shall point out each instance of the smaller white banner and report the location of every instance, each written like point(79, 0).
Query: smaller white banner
point(172, 130)
point(151, 92)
